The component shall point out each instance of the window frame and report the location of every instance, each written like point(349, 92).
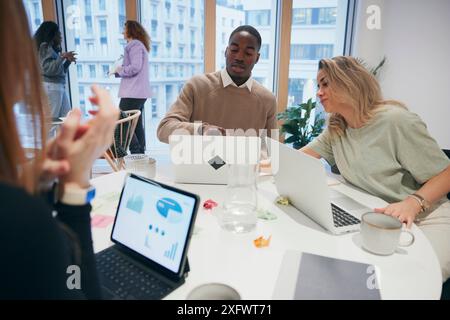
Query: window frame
point(52, 10)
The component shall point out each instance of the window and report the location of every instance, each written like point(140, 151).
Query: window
point(87, 7)
point(168, 6)
point(102, 5)
point(154, 103)
point(169, 33)
point(122, 15)
point(193, 51)
point(314, 16)
point(154, 11)
point(154, 31)
point(90, 48)
point(88, 20)
point(311, 51)
point(181, 32)
point(103, 34)
point(105, 70)
point(154, 50)
point(327, 39)
point(154, 70)
point(181, 52)
point(167, 72)
point(258, 17)
point(169, 95)
point(260, 14)
point(170, 71)
point(301, 16)
point(181, 70)
point(82, 98)
point(96, 52)
point(92, 73)
point(34, 13)
point(80, 71)
point(181, 15)
point(264, 52)
point(192, 36)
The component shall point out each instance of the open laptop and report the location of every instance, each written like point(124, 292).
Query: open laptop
point(303, 180)
point(204, 159)
point(151, 232)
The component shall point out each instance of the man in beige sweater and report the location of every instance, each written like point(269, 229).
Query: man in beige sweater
point(225, 100)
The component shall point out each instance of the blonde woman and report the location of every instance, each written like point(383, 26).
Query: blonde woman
point(384, 149)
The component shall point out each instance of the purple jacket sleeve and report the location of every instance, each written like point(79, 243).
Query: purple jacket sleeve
point(136, 55)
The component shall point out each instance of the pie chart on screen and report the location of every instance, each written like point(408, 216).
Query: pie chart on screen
point(170, 210)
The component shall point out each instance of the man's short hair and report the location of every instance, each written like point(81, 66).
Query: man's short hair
point(250, 30)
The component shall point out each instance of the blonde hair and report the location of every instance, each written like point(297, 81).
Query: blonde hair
point(351, 83)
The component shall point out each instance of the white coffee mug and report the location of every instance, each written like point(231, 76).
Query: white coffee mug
point(214, 291)
point(380, 233)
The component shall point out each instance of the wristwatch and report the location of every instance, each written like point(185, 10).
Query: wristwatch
point(77, 196)
point(424, 204)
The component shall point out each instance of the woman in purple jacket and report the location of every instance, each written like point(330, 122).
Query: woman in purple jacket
point(135, 85)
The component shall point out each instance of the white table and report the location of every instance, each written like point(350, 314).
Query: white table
point(216, 255)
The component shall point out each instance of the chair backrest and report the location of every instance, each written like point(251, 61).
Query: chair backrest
point(123, 134)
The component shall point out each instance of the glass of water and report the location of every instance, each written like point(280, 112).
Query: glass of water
point(240, 205)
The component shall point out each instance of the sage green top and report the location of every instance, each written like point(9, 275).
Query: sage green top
point(390, 157)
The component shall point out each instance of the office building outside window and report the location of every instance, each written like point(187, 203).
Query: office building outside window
point(179, 58)
point(317, 32)
point(97, 38)
point(259, 14)
point(34, 13)
point(80, 71)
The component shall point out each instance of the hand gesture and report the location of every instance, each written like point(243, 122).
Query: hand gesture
point(80, 144)
point(406, 210)
point(70, 56)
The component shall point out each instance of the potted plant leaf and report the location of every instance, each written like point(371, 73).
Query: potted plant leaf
point(299, 126)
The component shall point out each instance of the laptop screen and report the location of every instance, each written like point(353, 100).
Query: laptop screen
point(154, 221)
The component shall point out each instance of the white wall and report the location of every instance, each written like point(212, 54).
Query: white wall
point(415, 38)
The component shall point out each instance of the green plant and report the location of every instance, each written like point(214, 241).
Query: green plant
point(297, 124)
point(372, 70)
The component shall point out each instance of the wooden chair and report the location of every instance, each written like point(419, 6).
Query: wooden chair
point(122, 138)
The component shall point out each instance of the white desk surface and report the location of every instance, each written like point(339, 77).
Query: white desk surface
point(216, 255)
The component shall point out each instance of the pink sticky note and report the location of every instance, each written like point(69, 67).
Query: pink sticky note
point(101, 221)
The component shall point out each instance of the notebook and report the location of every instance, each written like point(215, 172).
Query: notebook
point(306, 276)
point(152, 230)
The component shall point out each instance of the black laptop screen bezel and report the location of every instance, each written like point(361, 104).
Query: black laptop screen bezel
point(175, 276)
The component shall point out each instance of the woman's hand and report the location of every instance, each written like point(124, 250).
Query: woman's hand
point(69, 56)
point(117, 70)
point(406, 210)
point(80, 144)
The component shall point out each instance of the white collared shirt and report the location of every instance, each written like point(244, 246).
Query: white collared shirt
point(226, 80)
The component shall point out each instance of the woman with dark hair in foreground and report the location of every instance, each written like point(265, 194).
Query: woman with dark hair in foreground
point(46, 246)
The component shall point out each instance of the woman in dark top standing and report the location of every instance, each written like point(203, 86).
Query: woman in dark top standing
point(45, 246)
point(54, 65)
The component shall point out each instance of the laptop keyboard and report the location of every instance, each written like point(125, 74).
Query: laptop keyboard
point(342, 218)
point(125, 280)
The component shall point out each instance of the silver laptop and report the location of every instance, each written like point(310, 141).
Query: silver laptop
point(303, 180)
point(205, 159)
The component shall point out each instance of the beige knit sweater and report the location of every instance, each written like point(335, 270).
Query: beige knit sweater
point(204, 99)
